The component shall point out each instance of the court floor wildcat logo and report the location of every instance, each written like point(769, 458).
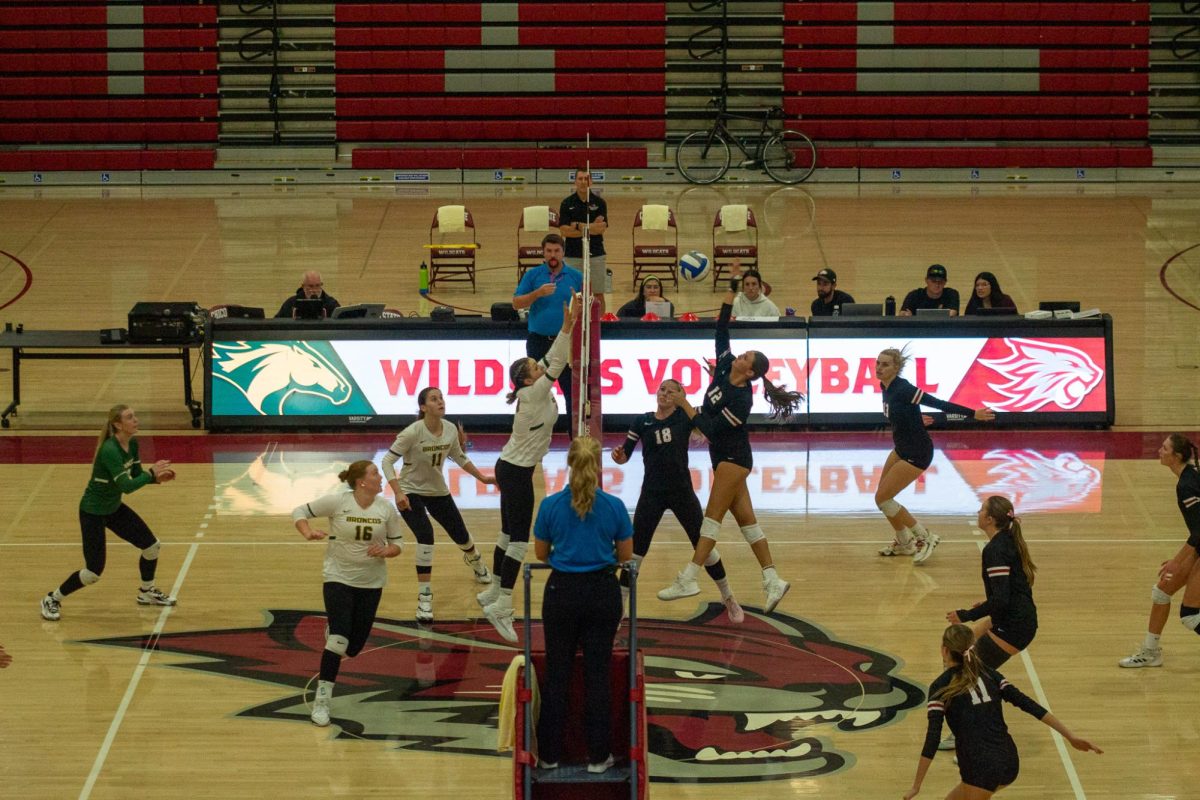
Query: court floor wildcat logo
point(268, 374)
point(726, 703)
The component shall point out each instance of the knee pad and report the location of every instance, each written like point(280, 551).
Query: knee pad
point(424, 556)
point(1159, 597)
point(516, 551)
point(890, 508)
point(337, 644)
point(87, 577)
point(713, 558)
point(502, 541)
point(151, 552)
point(1190, 617)
point(753, 533)
point(710, 528)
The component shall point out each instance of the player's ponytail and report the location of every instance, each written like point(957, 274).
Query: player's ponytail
point(783, 403)
point(584, 460)
point(958, 640)
point(517, 372)
point(1001, 511)
point(352, 474)
point(114, 416)
point(1185, 448)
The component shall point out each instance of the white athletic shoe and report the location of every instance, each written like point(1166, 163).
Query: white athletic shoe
point(947, 743)
point(424, 607)
point(897, 549)
point(154, 597)
point(1143, 658)
point(501, 617)
point(775, 588)
point(482, 573)
point(320, 711)
point(603, 766)
point(736, 615)
point(51, 609)
point(925, 548)
point(679, 588)
point(488, 595)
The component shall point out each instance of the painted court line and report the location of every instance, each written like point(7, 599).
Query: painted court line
point(135, 679)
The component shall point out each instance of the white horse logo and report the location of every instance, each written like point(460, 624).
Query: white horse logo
point(268, 373)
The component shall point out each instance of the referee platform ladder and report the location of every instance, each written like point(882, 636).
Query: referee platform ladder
point(627, 779)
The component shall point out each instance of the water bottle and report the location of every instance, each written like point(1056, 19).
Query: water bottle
point(423, 280)
point(837, 310)
point(889, 306)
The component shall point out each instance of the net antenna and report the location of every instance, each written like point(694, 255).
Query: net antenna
point(585, 330)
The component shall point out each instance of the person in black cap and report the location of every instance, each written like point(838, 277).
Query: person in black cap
point(829, 297)
point(935, 294)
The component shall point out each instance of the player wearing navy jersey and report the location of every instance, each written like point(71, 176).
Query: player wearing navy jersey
point(667, 486)
point(363, 530)
point(967, 696)
point(722, 419)
point(1179, 454)
point(533, 425)
point(1007, 617)
point(116, 471)
point(912, 454)
point(421, 490)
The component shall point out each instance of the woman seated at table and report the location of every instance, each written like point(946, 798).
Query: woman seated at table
point(987, 294)
point(651, 291)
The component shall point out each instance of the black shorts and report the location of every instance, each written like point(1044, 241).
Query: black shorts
point(990, 769)
point(1018, 633)
point(919, 454)
point(736, 451)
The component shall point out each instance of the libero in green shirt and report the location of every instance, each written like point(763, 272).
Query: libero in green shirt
point(115, 472)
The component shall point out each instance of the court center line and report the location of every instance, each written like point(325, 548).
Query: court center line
point(135, 679)
point(1059, 743)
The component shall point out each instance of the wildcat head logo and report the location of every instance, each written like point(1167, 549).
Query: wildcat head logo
point(1038, 482)
point(764, 700)
point(1039, 373)
point(268, 373)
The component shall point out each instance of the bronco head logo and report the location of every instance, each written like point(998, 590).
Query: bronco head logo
point(757, 701)
point(1040, 373)
point(268, 373)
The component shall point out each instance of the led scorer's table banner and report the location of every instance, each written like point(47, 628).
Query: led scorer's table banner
point(284, 374)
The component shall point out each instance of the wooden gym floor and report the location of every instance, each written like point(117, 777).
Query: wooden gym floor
point(829, 686)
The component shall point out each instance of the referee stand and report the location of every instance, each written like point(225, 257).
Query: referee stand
point(627, 779)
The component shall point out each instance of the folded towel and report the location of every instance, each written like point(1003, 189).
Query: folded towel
point(733, 218)
point(655, 217)
point(506, 730)
point(537, 218)
point(452, 219)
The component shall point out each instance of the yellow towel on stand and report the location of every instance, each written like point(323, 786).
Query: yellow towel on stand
point(655, 217)
point(733, 218)
point(452, 219)
point(537, 218)
point(506, 728)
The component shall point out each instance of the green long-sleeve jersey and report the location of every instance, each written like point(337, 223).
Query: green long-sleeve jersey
point(114, 472)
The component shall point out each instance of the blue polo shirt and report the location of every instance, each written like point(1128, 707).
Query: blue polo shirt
point(582, 545)
point(546, 313)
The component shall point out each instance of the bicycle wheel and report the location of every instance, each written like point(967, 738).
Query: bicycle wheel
point(789, 156)
point(703, 157)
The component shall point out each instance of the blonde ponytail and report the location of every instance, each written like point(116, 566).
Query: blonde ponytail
point(584, 460)
point(114, 416)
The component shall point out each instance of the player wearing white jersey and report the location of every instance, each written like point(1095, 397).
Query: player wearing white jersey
point(363, 530)
point(421, 490)
point(533, 424)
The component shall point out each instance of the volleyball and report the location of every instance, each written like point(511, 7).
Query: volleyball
point(694, 266)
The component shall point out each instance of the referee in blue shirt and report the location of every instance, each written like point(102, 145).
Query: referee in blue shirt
point(543, 290)
point(575, 532)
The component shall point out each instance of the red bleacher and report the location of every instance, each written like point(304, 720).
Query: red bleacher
point(497, 158)
point(105, 160)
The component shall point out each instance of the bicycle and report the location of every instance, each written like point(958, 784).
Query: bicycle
point(788, 156)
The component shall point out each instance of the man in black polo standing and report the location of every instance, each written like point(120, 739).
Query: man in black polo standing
point(584, 210)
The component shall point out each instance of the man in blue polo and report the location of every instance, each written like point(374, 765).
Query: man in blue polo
point(543, 290)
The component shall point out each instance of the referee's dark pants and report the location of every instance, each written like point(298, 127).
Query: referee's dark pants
point(536, 347)
point(578, 608)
